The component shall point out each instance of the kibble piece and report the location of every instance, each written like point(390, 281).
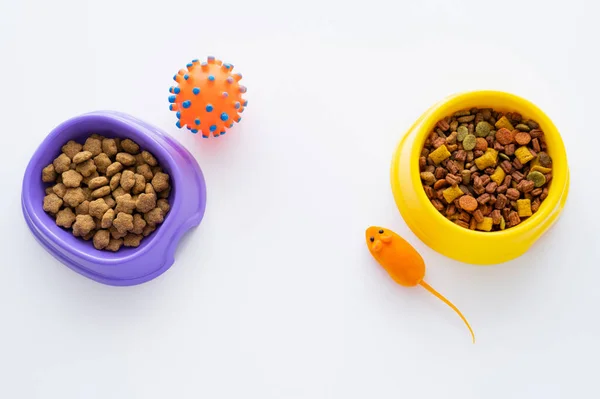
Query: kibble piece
point(82, 157)
point(156, 216)
point(71, 178)
point(102, 161)
point(469, 142)
point(140, 184)
point(115, 233)
point(114, 245)
point(89, 235)
point(437, 156)
point(52, 203)
point(504, 123)
point(537, 178)
point(118, 192)
point(113, 169)
point(487, 160)
point(483, 129)
point(97, 182)
point(74, 197)
point(83, 208)
point(62, 163)
point(71, 148)
point(83, 225)
point(138, 224)
point(545, 160)
point(132, 240)
point(59, 189)
point(522, 127)
point(481, 144)
point(97, 208)
point(109, 147)
point(125, 159)
point(504, 137)
point(93, 145)
point(107, 219)
point(523, 155)
point(49, 174)
point(522, 138)
point(149, 189)
point(101, 192)
point(149, 158)
point(164, 205)
point(65, 218)
point(101, 239)
point(145, 171)
point(485, 225)
point(468, 203)
point(115, 181)
point(513, 194)
point(498, 175)
point(86, 180)
point(139, 160)
point(110, 201)
point(130, 146)
point(125, 204)
point(48, 190)
point(145, 202)
point(127, 180)
point(123, 222)
point(452, 193)
point(524, 207)
point(428, 178)
point(148, 230)
point(86, 168)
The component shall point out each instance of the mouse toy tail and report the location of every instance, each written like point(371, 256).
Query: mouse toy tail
point(447, 302)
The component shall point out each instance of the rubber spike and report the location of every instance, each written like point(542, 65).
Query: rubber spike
point(229, 80)
point(242, 89)
point(195, 90)
point(210, 59)
point(237, 76)
point(236, 105)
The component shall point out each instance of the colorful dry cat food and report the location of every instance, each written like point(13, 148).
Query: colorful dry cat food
point(107, 191)
point(486, 170)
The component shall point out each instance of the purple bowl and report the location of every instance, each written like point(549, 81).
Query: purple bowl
point(128, 266)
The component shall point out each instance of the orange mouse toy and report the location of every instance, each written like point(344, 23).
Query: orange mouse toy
point(402, 262)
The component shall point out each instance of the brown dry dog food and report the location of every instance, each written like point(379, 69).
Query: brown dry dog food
point(108, 191)
point(482, 169)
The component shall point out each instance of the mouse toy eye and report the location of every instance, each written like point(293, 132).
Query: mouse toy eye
point(372, 239)
point(381, 231)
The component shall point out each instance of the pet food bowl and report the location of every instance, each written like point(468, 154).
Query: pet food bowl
point(449, 239)
point(128, 266)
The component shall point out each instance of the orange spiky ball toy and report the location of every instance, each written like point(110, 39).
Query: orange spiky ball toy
point(208, 98)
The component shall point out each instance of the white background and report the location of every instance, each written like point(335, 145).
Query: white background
point(275, 294)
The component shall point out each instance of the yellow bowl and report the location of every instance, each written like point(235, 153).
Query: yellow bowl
point(449, 239)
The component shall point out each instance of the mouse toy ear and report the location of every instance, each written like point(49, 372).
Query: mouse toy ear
point(386, 238)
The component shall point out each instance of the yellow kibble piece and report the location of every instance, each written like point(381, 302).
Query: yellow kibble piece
point(524, 207)
point(486, 225)
point(540, 169)
point(498, 175)
point(523, 155)
point(488, 159)
point(439, 154)
point(504, 123)
point(452, 193)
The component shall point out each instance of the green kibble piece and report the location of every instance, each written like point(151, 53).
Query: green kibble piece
point(492, 134)
point(483, 129)
point(545, 160)
point(502, 223)
point(504, 156)
point(522, 127)
point(462, 113)
point(469, 142)
point(462, 132)
point(537, 178)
